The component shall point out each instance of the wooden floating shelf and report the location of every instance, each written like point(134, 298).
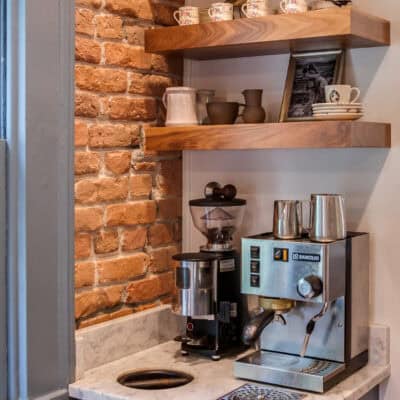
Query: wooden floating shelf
point(274, 34)
point(287, 135)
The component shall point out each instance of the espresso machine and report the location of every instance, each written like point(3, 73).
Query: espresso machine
point(312, 324)
point(208, 282)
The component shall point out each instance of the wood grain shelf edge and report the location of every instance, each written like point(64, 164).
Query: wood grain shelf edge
point(290, 135)
point(273, 34)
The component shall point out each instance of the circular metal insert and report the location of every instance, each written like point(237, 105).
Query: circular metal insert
point(154, 379)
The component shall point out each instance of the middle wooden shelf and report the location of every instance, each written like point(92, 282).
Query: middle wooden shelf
point(287, 135)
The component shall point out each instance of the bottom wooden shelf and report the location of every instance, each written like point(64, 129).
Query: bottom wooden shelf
point(287, 135)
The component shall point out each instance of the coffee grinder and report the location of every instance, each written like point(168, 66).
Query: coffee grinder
point(208, 282)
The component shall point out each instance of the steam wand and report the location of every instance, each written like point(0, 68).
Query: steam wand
point(310, 328)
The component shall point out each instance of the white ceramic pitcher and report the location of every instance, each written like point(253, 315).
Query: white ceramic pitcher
point(180, 103)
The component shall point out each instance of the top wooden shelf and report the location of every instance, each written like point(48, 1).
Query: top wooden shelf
point(274, 34)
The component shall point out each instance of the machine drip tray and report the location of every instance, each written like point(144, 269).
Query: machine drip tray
point(255, 392)
point(287, 370)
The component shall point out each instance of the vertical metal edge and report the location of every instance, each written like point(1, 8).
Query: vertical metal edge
point(66, 189)
point(3, 286)
point(26, 366)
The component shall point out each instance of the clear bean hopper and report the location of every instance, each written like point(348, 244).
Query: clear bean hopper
point(217, 220)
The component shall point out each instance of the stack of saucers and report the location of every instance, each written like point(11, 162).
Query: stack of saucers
point(337, 111)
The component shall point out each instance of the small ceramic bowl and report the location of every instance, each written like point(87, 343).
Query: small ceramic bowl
point(222, 112)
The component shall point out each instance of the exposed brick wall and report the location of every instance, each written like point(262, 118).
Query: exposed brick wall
point(127, 215)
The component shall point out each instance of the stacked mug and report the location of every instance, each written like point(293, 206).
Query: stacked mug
point(187, 15)
point(255, 8)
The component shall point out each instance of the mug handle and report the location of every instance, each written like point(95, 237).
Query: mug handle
point(244, 9)
point(357, 92)
point(175, 14)
point(283, 6)
point(210, 12)
point(164, 100)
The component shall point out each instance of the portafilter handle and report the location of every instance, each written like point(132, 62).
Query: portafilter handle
point(259, 319)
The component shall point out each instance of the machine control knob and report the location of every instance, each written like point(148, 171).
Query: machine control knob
point(309, 287)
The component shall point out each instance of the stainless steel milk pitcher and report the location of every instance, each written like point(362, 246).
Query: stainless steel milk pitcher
point(327, 218)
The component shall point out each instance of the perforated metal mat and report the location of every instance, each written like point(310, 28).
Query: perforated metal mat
point(255, 392)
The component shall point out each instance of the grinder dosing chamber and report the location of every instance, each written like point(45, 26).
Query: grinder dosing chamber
point(195, 284)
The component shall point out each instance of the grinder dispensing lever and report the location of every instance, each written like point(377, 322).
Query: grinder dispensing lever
point(310, 328)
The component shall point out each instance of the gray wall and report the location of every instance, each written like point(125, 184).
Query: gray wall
point(40, 59)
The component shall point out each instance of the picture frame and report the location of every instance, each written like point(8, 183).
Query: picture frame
point(308, 74)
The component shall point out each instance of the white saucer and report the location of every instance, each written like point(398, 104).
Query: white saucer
point(337, 105)
point(337, 117)
point(338, 111)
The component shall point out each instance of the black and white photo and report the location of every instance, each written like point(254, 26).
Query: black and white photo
point(308, 74)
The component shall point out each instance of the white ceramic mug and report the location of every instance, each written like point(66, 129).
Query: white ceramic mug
point(341, 94)
point(255, 8)
point(180, 103)
point(187, 16)
point(293, 6)
point(221, 12)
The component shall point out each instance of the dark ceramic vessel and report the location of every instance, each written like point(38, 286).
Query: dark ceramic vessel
point(253, 113)
point(222, 112)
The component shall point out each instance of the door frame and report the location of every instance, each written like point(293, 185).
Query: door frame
point(40, 218)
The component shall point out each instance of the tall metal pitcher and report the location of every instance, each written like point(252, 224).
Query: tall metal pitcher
point(327, 218)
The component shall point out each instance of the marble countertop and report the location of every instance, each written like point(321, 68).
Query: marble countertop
point(212, 379)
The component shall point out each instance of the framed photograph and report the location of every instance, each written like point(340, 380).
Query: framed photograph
point(307, 76)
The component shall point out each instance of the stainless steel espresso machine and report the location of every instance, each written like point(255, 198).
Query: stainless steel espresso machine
point(208, 282)
point(312, 323)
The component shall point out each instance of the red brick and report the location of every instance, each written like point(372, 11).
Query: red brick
point(84, 21)
point(169, 208)
point(133, 239)
point(106, 242)
point(122, 269)
point(160, 234)
point(163, 14)
point(141, 185)
point(81, 133)
point(113, 188)
point(100, 79)
point(134, 35)
point(118, 162)
point(169, 179)
point(147, 306)
point(104, 317)
point(149, 85)
point(89, 191)
point(86, 163)
point(139, 212)
point(82, 245)
point(132, 8)
point(151, 288)
point(86, 191)
point(87, 50)
point(88, 3)
point(84, 274)
point(87, 303)
point(161, 260)
point(88, 219)
point(113, 135)
point(144, 166)
point(167, 64)
point(108, 26)
point(86, 105)
point(132, 109)
point(125, 55)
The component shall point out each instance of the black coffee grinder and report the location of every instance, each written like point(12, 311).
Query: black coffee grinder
point(208, 283)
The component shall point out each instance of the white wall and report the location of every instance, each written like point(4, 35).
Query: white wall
point(368, 178)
